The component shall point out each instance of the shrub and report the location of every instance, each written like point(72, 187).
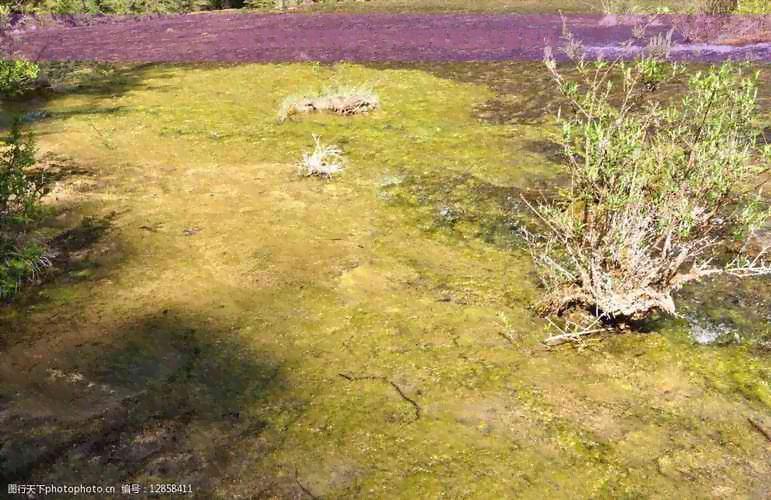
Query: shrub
point(657, 191)
point(710, 7)
point(16, 77)
point(96, 7)
point(21, 257)
point(25, 263)
point(20, 189)
point(273, 4)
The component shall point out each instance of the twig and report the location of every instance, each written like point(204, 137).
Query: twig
point(105, 142)
point(415, 405)
point(568, 337)
point(760, 428)
point(511, 341)
point(302, 487)
point(507, 324)
point(557, 233)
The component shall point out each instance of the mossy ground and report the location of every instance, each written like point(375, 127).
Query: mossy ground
point(214, 301)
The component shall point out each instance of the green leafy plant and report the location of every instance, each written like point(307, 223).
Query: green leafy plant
point(659, 193)
point(20, 264)
point(623, 7)
point(21, 257)
point(96, 7)
point(20, 190)
point(16, 77)
point(272, 4)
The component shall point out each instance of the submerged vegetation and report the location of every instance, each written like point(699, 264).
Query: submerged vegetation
point(216, 320)
point(224, 321)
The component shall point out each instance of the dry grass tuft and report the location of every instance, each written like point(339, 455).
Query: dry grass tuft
point(342, 101)
point(324, 161)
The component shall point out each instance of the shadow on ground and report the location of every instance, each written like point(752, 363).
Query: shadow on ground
point(92, 78)
point(95, 80)
point(80, 246)
point(526, 92)
point(170, 396)
point(165, 398)
point(443, 200)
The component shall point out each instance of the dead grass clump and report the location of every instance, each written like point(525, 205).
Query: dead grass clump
point(324, 161)
point(341, 101)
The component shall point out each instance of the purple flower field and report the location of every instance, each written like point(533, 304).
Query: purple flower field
point(290, 37)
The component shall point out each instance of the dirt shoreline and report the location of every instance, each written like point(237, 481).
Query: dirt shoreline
point(289, 37)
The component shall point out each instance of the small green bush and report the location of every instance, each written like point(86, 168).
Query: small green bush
point(16, 77)
point(20, 264)
point(96, 7)
point(274, 4)
point(21, 257)
point(710, 7)
point(660, 193)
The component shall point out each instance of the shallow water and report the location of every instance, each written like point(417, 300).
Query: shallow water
point(694, 52)
point(266, 333)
